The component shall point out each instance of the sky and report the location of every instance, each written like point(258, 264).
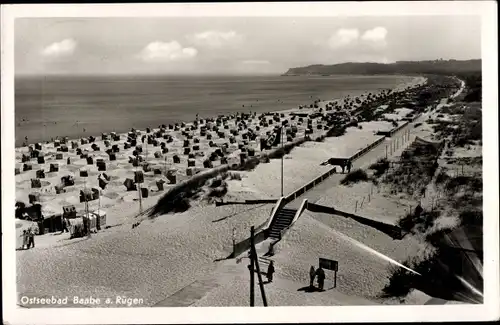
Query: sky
point(234, 45)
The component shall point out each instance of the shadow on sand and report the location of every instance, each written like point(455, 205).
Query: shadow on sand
point(310, 289)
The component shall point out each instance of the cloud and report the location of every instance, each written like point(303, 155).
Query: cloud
point(215, 39)
point(259, 62)
point(167, 51)
point(63, 48)
point(376, 35)
point(343, 37)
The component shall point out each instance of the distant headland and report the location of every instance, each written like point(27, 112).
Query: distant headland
point(399, 67)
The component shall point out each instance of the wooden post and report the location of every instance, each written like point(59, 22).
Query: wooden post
point(386, 152)
point(356, 207)
point(335, 280)
point(362, 201)
point(253, 253)
point(251, 267)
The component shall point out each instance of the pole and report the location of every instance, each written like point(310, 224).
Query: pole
point(282, 158)
point(257, 268)
point(386, 152)
point(251, 268)
point(335, 280)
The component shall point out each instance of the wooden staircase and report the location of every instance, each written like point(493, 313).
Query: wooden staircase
point(281, 221)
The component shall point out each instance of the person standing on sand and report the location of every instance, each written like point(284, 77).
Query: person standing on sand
point(25, 239)
point(270, 272)
point(312, 275)
point(321, 277)
point(31, 238)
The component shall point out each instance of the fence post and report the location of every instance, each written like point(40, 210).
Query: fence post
point(356, 207)
point(362, 201)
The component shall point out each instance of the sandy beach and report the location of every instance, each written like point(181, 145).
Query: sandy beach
point(173, 251)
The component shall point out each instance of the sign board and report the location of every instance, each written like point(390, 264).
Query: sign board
point(329, 264)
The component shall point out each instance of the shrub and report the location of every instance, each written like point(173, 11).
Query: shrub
point(355, 176)
point(442, 177)
point(336, 132)
point(380, 166)
point(471, 217)
point(235, 176)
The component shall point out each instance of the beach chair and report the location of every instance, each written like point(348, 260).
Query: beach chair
point(84, 141)
point(196, 148)
point(146, 168)
point(101, 165)
point(144, 192)
point(157, 154)
point(208, 164)
point(34, 198)
point(187, 151)
point(41, 159)
point(17, 171)
point(189, 171)
point(223, 161)
point(40, 173)
point(54, 168)
point(90, 161)
point(86, 195)
point(59, 156)
point(177, 159)
point(95, 193)
point(84, 173)
point(139, 177)
point(68, 180)
point(59, 189)
point(35, 183)
point(171, 177)
point(157, 171)
point(27, 167)
point(191, 162)
point(57, 143)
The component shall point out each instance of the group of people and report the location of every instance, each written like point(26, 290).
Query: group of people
point(320, 274)
point(28, 239)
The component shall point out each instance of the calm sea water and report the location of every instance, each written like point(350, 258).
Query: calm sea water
point(81, 106)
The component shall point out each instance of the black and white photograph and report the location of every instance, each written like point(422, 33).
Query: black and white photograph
point(250, 155)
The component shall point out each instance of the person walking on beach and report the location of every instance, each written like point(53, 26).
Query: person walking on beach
point(25, 239)
point(64, 226)
point(312, 275)
point(270, 272)
point(320, 273)
point(31, 238)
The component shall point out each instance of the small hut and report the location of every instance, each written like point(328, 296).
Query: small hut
point(191, 162)
point(177, 159)
point(90, 161)
point(27, 167)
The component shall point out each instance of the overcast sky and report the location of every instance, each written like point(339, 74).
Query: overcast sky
point(235, 45)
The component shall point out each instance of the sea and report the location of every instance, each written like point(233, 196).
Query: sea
point(55, 106)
